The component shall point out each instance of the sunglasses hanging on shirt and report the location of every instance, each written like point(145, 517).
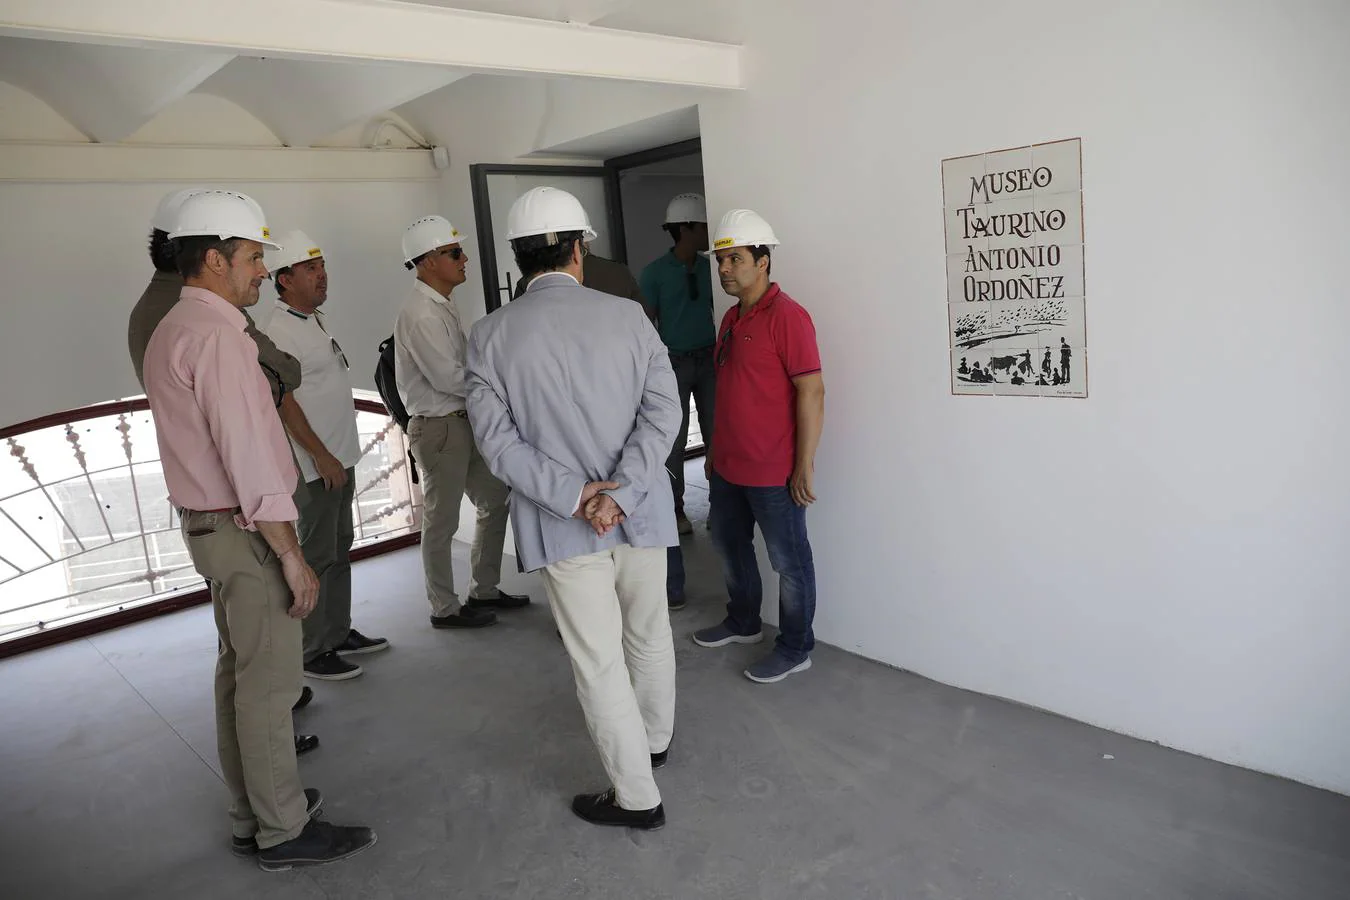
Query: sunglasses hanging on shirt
point(337, 351)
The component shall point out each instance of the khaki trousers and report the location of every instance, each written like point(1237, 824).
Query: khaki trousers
point(326, 532)
point(258, 676)
point(611, 610)
point(451, 467)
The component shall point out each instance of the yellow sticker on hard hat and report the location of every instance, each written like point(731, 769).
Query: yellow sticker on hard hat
point(724, 243)
point(266, 233)
point(454, 232)
point(315, 251)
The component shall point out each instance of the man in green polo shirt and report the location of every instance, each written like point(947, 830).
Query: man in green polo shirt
point(678, 287)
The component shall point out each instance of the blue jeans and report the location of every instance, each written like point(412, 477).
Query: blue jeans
point(736, 510)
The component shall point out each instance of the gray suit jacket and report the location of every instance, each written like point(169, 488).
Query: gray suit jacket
point(568, 385)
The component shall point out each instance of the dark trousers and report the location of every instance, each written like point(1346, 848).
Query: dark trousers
point(326, 532)
point(736, 510)
point(695, 376)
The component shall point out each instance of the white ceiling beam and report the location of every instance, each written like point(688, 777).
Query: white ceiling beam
point(37, 163)
point(380, 30)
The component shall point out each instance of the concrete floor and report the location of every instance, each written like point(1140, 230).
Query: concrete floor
point(852, 781)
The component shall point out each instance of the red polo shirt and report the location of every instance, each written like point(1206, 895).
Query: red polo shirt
point(755, 422)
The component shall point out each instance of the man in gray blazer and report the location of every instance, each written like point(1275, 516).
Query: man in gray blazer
point(574, 405)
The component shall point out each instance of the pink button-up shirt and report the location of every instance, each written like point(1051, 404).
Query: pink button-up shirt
point(220, 440)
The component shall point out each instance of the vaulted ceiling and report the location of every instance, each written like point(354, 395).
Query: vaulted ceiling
point(310, 68)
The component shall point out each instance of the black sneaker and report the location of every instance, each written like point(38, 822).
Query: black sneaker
point(306, 695)
point(305, 743)
point(604, 809)
point(659, 759)
point(467, 617)
point(676, 601)
point(357, 643)
point(331, 667)
point(319, 843)
point(503, 600)
point(247, 846)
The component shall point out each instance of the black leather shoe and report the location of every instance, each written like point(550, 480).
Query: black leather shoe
point(306, 695)
point(467, 617)
point(659, 759)
point(357, 643)
point(503, 600)
point(603, 809)
point(242, 846)
point(319, 843)
point(305, 743)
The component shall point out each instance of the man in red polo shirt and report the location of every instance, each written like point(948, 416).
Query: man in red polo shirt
point(769, 413)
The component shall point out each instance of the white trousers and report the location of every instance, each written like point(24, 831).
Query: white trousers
point(611, 610)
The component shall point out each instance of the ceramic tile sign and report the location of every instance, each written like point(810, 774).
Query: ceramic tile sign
point(1015, 285)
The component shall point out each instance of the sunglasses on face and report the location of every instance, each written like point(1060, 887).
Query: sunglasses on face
point(455, 253)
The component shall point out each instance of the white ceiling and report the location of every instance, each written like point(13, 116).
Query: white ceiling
point(669, 128)
point(109, 89)
point(335, 94)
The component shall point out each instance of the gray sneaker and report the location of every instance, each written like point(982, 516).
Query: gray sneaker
point(774, 668)
point(721, 635)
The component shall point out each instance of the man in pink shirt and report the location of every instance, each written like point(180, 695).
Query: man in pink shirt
point(229, 471)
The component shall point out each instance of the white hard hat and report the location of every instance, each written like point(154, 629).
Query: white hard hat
point(687, 208)
point(296, 247)
point(547, 210)
point(222, 214)
point(742, 228)
point(166, 214)
point(426, 234)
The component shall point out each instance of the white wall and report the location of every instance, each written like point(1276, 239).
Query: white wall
point(76, 263)
point(73, 244)
point(1167, 558)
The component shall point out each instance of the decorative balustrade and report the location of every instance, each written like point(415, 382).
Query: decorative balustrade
point(87, 529)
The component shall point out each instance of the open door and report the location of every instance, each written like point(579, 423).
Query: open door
point(496, 187)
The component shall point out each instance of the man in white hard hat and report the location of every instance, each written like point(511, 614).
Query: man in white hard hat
point(231, 475)
point(679, 288)
point(429, 349)
point(770, 411)
point(320, 417)
point(280, 368)
point(575, 406)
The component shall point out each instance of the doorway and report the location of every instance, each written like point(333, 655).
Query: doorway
point(497, 187)
point(625, 198)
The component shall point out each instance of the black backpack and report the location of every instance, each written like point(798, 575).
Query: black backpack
point(388, 388)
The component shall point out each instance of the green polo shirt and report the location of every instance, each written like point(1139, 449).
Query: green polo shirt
point(685, 322)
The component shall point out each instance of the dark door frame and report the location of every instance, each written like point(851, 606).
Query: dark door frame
point(482, 213)
point(609, 170)
point(655, 155)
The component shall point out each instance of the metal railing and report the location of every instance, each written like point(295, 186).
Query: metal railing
point(87, 529)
